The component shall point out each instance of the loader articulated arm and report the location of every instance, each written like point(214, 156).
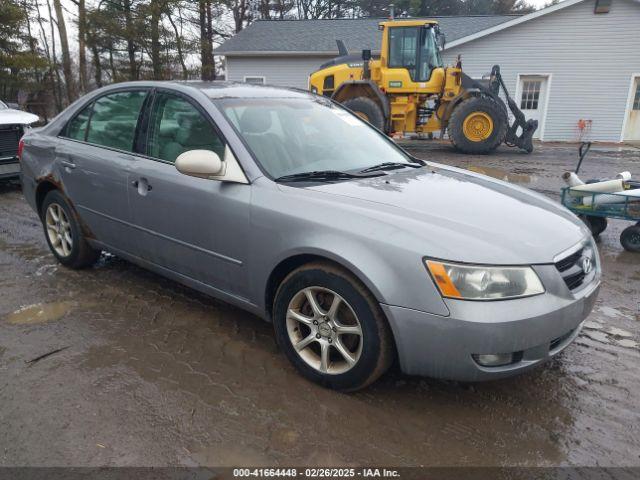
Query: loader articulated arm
point(525, 139)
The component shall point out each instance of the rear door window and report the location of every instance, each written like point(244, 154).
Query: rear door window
point(77, 128)
point(177, 126)
point(115, 118)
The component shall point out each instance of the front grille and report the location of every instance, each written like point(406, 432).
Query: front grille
point(9, 139)
point(571, 270)
point(568, 262)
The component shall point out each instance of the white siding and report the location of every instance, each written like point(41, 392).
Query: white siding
point(591, 58)
point(282, 71)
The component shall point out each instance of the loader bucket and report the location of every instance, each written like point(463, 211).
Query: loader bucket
point(528, 127)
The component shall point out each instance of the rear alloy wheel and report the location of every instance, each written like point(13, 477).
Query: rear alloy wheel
point(477, 125)
point(58, 230)
point(331, 328)
point(63, 233)
point(368, 110)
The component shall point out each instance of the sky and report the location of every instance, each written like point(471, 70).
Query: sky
point(538, 3)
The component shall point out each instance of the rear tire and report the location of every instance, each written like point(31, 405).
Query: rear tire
point(630, 238)
point(478, 125)
point(368, 110)
point(63, 233)
point(356, 327)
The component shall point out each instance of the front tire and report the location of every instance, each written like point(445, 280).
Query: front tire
point(478, 125)
point(331, 328)
point(368, 110)
point(63, 233)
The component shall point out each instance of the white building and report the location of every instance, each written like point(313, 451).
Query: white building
point(574, 66)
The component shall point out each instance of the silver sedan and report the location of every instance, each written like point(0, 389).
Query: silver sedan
point(287, 205)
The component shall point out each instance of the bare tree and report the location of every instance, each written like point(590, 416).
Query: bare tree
point(69, 80)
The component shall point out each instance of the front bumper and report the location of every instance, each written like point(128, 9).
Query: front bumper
point(9, 168)
point(539, 327)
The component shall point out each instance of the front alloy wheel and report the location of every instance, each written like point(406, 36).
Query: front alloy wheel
point(324, 330)
point(331, 327)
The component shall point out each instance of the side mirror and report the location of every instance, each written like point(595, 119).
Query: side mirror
point(366, 55)
point(200, 163)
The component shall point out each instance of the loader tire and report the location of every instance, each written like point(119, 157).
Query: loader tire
point(366, 109)
point(478, 125)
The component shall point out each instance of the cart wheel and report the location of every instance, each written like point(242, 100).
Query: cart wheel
point(630, 238)
point(597, 225)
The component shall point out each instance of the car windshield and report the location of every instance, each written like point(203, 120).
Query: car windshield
point(3, 106)
point(294, 136)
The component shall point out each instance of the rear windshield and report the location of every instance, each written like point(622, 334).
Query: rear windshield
point(288, 136)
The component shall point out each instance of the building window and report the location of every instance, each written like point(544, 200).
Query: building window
point(530, 94)
point(255, 80)
point(636, 99)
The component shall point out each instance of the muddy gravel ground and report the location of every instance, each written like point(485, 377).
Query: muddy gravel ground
point(142, 371)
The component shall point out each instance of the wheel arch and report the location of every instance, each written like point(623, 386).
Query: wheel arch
point(43, 188)
point(295, 260)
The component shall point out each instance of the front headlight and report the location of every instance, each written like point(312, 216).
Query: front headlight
point(479, 282)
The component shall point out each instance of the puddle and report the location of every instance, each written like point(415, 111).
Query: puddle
point(501, 174)
point(611, 312)
point(25, 251)
point(596, 331)
point(597, 336)
point(627, 343)
point(618, 332)
point(39, 313)
point(592, 325)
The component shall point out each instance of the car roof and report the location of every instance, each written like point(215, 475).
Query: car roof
point(220, 89)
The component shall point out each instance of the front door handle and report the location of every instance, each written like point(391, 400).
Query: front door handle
point(142, 186)
point(68, 164)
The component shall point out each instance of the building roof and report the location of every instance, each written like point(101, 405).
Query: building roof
point(318, 37)
point(517, 20)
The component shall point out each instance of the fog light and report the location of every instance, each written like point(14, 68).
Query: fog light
point(494, 359)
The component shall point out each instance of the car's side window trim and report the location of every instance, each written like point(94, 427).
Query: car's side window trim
point(86, 130)
point(140, 138)
point(64, 132)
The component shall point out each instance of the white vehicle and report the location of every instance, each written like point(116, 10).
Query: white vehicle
point(13, 124)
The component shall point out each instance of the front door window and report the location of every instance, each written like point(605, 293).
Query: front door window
point(177, 126)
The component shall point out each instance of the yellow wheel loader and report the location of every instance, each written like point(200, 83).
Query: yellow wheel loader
point(409, 90)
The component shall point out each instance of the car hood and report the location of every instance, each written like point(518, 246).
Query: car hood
point(463, 216)
point(9, 116)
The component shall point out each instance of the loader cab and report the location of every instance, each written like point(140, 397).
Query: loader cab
point(412, 47)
